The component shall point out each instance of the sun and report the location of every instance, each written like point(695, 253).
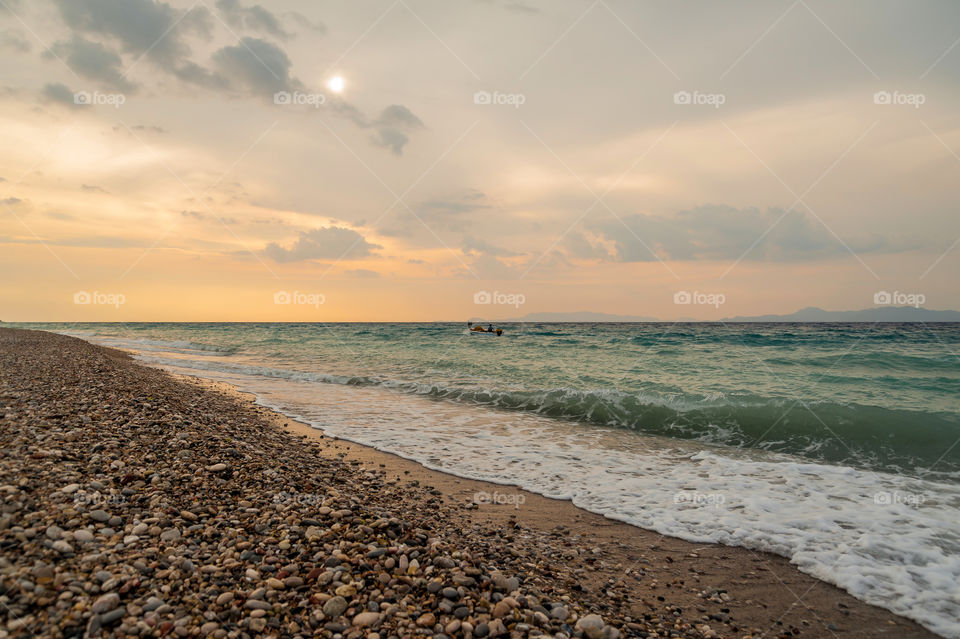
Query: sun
point(336, 84)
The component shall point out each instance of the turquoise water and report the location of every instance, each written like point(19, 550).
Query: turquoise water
point(836, 445)
point(884, 397)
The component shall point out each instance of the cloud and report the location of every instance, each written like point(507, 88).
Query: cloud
point(14, 40)
point(361, 272)
point(92, 188)
point(578, 245)
point(520, 7)
point(450, 213)
point(392, 126)
point(257, 65)
point(314, 25)
point(715, 232)
point(207, 217)
point(154, 30)
point(475, 246)
point(60, 94)
point(254, 18)
point(93, 61)
point(325, 243)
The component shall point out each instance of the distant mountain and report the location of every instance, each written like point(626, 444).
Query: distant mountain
point(877, 314)
point(809, 314)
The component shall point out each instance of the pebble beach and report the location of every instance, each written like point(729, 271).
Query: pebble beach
point(136, 503)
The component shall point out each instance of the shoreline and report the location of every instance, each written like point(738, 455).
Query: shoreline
point(625, 549)
point(193, 461)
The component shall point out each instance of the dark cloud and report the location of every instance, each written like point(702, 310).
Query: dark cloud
point(14, 40)
point(254, 18)
point(60, 94)
point(722, 232)
point(154, 30)
point(257, 65)
point(326, 243)
point(392, 127)
point(92, 188)
point(104, 31)
point(93, 61)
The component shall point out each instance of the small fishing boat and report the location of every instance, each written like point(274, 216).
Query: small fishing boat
point(479, 330)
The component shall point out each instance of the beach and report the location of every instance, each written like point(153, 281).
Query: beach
point(139, 503)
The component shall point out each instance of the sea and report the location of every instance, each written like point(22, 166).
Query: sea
point(835, 445)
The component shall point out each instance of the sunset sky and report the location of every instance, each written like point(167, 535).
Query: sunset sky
point(198, 160)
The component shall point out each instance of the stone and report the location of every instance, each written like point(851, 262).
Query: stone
point(335, 607)
point(591, 625)
point(105, 603)
point(365, 619)
point(62, 546)
point(170, 535)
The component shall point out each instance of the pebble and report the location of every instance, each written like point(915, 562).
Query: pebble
point(193, 539)
point(365, 619)
point(335, 607)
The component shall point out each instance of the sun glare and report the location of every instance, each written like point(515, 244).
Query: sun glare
point(336, 84)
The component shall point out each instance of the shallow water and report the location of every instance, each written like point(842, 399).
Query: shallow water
point(833, 445)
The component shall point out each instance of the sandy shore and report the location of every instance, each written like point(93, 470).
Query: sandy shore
point(143, 504)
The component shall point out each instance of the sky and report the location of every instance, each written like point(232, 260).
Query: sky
point(418, 160)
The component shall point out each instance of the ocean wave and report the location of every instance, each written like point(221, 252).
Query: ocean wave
point(859, 435)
